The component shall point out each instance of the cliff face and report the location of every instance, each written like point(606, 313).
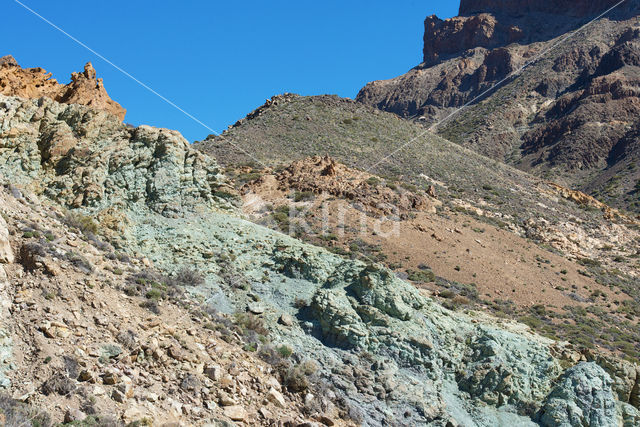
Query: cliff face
point(458, 34)
point(570, 114)
point(84, 89)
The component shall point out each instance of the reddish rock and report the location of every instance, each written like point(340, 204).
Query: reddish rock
point(84, 89)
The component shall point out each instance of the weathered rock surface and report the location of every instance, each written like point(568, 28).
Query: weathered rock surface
point(582, 397)
point(98, 159)
point(84, 89)
point(323, 175)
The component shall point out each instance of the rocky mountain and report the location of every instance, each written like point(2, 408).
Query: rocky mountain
point(84, 88)
point(135, 287)
point(568, 115)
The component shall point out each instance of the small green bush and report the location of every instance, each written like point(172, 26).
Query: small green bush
point(285, 351)
point(84, 223)
point(300, 196)
point(421, 276)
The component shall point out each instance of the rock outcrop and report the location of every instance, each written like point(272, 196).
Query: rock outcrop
point(459, 34)
point(323, 175)
point(98, 159)
point(590, 402)
point(84, 89)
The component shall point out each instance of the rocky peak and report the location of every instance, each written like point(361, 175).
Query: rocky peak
point(8, 60)
point(84, 89)
point(446, 37)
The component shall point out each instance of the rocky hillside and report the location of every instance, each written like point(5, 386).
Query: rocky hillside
point(84, 88)
point(570, 115)
point(292, 128)
point(93, 335)
point(346, 341)
point(452, 253)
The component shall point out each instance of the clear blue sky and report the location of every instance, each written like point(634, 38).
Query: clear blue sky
point(219, 60)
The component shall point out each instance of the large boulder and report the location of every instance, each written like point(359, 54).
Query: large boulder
point(583, 397)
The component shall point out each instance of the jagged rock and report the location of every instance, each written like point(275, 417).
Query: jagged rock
point(84, 89)
point(413, 361)
point(213, 372)
point(256, 308)
point(110, 378)
point(126, 387)
point(118, 396)
point(55, 330)
point(120, 160)
point(275, 397)
point(175, 352)
point(575, 112)
point(87, 376)
point(582, 397)
point(320, 175)
point(630, 415)
point(285, 319)
point(625, 378)
point(224, 399)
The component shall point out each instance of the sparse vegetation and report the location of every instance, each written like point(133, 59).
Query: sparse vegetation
point(421, 276)
point(83, 223)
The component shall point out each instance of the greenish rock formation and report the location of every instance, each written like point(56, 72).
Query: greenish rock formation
point(391, 355)
point(582, 397)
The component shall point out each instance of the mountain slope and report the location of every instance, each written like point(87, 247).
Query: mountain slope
point(359, 136)
point(372, 345)
point(569, 116)
point(464, 262)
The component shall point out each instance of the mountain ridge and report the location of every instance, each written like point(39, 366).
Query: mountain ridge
point(568, 116)
point(145, 280)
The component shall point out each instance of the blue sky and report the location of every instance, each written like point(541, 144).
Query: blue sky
point(220, 60)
